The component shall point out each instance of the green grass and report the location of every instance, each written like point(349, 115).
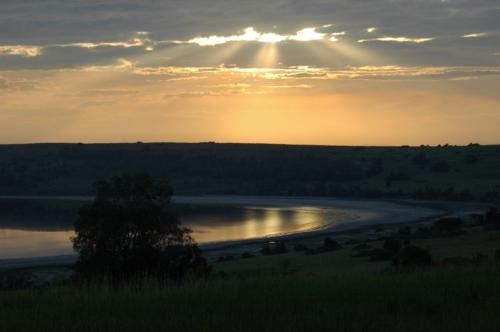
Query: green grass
point(440, 299)
point(330, 264)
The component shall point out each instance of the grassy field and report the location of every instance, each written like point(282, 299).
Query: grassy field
point(439, 299)
point(447, 172)
point(472, 242)
point(328, 291)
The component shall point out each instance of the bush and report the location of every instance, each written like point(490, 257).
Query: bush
point(441, 167)
point(393, 245)
point(274, 248)
point(225, 258)
point(446, 226)
point(376, 254)
point(492, 219)
point(497, 255)
point(246, 255)
point(404, 231)
point(411, 257)
point(361, 246)
point(266, 250)
point(470, 159)
point(280, 248)
point(421, 159)
point(330, 244)
point(300, 247)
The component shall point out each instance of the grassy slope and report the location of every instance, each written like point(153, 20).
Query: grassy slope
point(444, 299)
point(323, 292)
point(245, 168)
point(345, 261)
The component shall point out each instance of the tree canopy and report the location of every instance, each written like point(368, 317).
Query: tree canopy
point(129, 232)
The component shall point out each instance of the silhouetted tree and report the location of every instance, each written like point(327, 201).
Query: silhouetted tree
point(127, 232)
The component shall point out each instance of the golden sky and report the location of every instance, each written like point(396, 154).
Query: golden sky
point(305, 78)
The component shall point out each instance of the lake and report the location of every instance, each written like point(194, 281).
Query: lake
point(37, 227)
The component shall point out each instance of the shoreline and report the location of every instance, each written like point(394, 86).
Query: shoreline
point(365, 216)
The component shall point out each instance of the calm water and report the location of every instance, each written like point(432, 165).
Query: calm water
point(33, 228)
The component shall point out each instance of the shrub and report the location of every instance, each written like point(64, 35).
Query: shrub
point(470, 159)
point(266, 250)
point(446, 226)
point(411, 257)
point(361, 246)
point(274, 248)
point(330, 244)
point(225, 258)
point(404, 231)
point(420, 159)
point(492, 219)
point(376, 167)
point(300, 247)
point(376, 254)
point(441, 167)
point(393, 245)
point(497, 255)
point(246, 255)
point(280, 248)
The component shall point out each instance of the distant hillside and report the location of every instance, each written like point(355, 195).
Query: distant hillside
point(471, 172)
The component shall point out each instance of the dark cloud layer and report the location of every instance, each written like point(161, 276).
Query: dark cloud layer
point(48, 24)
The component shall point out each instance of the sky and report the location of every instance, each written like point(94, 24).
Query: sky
point(338, 72)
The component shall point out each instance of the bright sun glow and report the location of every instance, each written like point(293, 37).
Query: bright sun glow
point(250, 34)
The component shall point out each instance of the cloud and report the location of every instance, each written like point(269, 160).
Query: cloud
point(27, 51)
point(371, 29)
point(250, 34)
point(397, 40)
point(475, 35)
point(296, 86)
point(307, 34)
point(304, 73)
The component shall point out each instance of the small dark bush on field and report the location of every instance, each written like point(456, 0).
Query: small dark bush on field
point(361, 246)
point(470, 159)
point(330, 244)
point(246, 255)
point(492, 219)
point(447, 226)
point(411, 257)
point(226, 258)
point(300, 247)
point(274, 248)
point(477, 219)
point(441, 167)
point(421, 159)
point(497, 255)
point(404, 231)
point(15, 281)
point(376, 254)
point(478, 258)
point(393, 245)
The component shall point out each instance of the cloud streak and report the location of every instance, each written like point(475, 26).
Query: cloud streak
point(475, 35)
point(26, 51)
point(397, 39)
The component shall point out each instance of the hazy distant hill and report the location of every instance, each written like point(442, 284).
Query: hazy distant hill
point(208, 168)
